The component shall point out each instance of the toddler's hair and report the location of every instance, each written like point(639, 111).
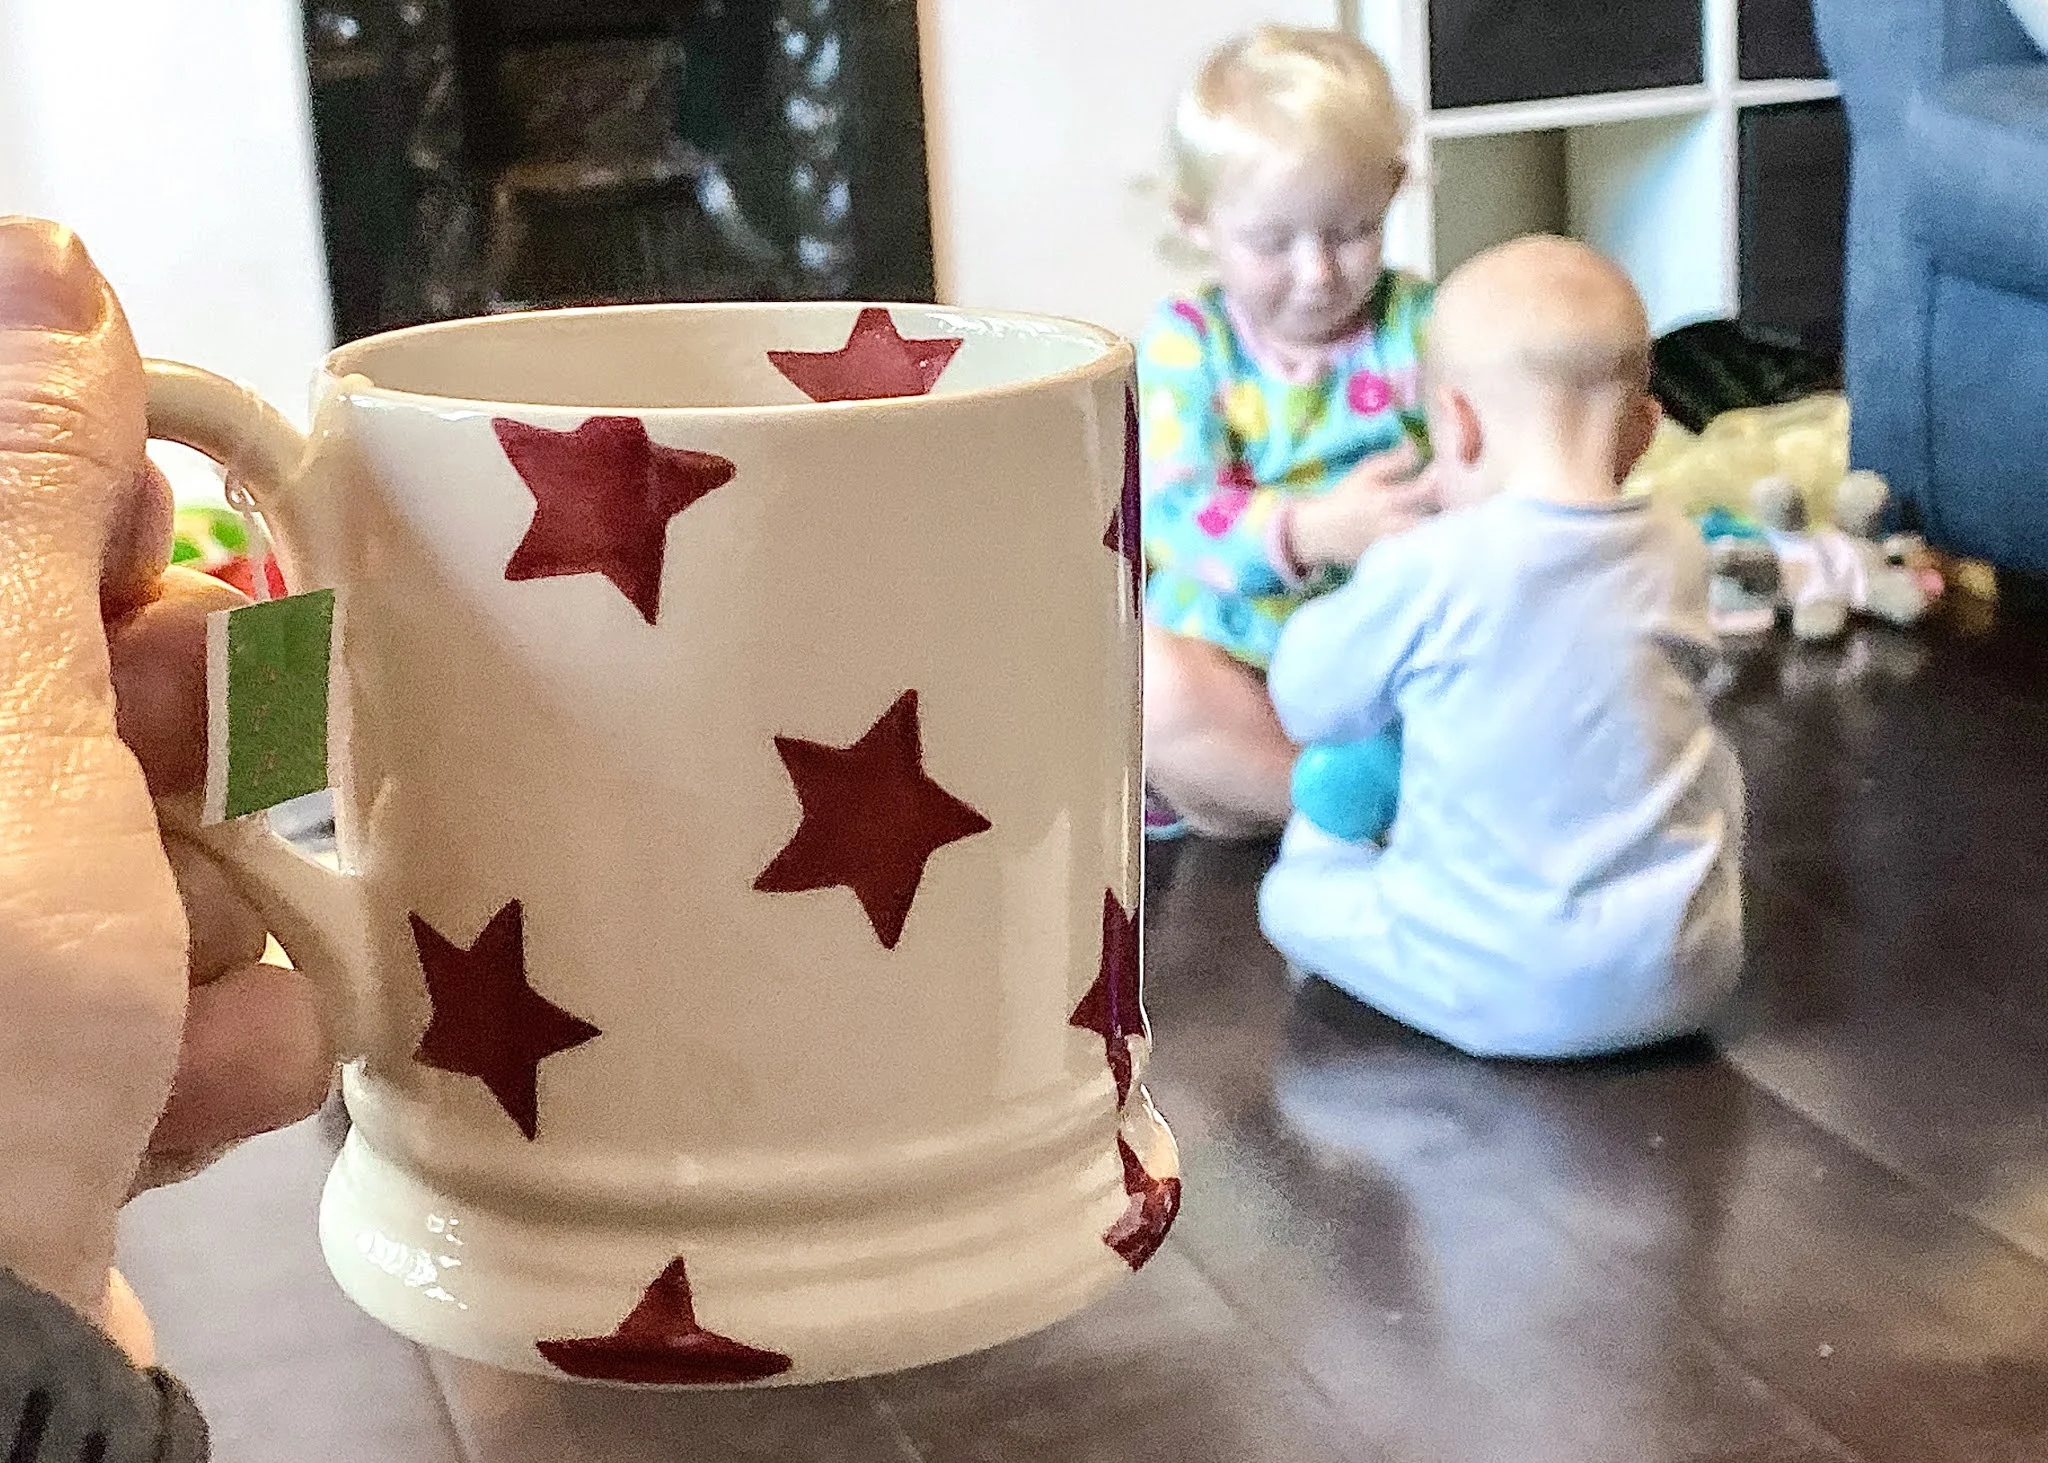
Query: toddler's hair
point(1286, 89)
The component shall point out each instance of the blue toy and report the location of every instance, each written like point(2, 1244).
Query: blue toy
point(1722, 523)
point(1349, 789)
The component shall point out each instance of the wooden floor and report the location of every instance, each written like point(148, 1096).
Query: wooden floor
point(1822, 1237)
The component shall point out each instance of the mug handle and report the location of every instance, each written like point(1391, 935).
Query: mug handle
point(318, 914)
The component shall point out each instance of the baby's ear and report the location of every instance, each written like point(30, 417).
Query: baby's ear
point(1639, 431)
point(1458, 438)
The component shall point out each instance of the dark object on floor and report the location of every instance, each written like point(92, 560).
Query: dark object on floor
point(1818, 1241)
point(1701, 370)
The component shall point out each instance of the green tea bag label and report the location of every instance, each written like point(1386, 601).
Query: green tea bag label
point(267, 670)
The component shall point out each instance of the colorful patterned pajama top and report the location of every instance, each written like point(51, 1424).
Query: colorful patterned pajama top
point(1227, 438)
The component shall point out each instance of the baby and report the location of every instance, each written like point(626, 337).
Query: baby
point(1561, 878)
point(1281, 417)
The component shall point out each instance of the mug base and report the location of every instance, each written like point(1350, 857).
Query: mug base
point(651, 1301)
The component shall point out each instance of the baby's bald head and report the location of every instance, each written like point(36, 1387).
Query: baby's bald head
point(1547, 311)
point(1541, 339)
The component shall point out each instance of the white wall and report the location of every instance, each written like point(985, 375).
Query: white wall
point(1047, 127)
point(1660, 196)
point(175, 139)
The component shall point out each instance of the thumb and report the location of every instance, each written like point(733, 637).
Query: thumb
point(71, 415)
point(92, 938)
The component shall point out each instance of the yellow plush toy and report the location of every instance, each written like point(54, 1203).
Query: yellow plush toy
point(1805, 443)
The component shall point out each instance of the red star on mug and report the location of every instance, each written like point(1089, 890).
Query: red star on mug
point(1152, 1206)
point(876, 361)
point(1124, 536)
point(488, 1022)
point(602, 498)
point(1113, 1007)
point(872, 819)
point(661, 1344)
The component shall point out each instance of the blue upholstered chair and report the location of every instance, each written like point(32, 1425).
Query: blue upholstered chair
point(1947, 310)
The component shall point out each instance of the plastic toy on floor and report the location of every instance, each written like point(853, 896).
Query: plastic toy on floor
point(1349, 789)
point(1742, 596)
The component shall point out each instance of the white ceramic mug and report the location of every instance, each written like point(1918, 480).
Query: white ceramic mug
point(738, 794)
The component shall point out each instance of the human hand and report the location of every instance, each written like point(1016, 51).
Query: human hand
point(126, 1056)
point(1381, 496)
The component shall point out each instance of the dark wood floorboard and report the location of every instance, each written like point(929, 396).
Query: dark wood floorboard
point(1820, 1237)
point(1900, 917)
point(1168, 1371)
point(1456, 1250)
point(508, 1418)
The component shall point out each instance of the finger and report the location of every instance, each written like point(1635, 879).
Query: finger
point(254, 1059)
point(138, 544)
point(127, 1323)
point(161, 1168)
point(159, 669)
point(227, 933)
point(1418, 495)
point(1396, 464)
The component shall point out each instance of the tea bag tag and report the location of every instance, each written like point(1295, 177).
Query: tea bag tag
point(267, 694)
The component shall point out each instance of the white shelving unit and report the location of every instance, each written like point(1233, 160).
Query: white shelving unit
point(1650, 177)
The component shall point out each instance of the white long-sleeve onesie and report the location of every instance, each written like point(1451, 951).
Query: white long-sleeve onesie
point(1562, 876)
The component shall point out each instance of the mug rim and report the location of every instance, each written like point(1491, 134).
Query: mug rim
point(1118, 356)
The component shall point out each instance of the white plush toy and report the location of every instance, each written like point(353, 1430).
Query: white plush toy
point(1826, 572)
